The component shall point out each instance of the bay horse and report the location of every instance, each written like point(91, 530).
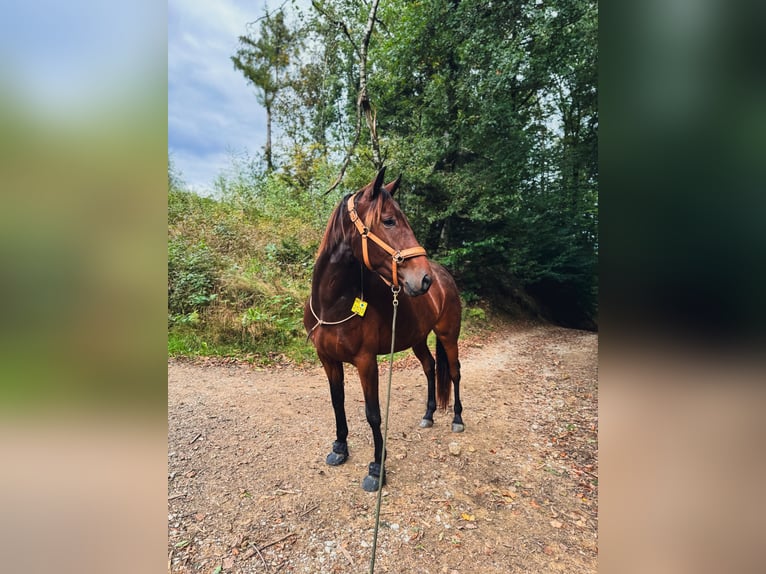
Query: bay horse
point(368, 253)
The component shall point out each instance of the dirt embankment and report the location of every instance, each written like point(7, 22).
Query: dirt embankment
point(249, 491)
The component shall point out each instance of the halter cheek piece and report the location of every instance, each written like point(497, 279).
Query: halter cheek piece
point(397, 256)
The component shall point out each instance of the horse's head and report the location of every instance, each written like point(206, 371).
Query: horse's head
point(385, 241)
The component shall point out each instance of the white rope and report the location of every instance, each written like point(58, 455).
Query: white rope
point(323, 322)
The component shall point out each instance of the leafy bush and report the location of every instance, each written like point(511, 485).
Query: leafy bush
point(290, 252)
point(279, 319)
point(239, 266)
point(192, 276)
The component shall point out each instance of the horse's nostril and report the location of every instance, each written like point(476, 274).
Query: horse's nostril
point(426, 282)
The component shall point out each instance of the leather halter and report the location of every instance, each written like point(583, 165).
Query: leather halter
point(397, 256)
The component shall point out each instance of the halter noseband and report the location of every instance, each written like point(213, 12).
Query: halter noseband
point(397, 256)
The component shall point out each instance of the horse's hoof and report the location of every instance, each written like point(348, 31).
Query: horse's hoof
point(426, 424)
point(338, 455)
point(372, 481)
point(458, 427)
point(335, 459)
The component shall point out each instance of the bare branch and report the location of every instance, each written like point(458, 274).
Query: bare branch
point(349, 153)
point(364, 98)
point(340, 24)
point(363, 104)
point(266, 15)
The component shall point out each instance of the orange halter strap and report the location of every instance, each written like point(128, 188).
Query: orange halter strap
point(397, 256)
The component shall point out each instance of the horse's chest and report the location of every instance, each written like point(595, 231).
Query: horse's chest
point(337, 344)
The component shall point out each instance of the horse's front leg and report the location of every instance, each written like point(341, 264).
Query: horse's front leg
point(334, 371)
point(368, 374)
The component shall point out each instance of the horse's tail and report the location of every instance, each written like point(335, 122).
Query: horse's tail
point(443, 381)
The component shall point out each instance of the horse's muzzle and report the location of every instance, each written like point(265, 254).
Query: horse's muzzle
point(425, 285)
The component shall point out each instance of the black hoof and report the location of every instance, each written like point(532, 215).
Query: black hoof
point(458, 427)
point(426, 424)
point(339, 454)
point(372, 482)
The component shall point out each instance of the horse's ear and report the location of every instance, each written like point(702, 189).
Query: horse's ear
point(378, 184)
point(394, 185)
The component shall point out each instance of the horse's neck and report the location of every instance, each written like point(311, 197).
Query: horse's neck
point(334, 280)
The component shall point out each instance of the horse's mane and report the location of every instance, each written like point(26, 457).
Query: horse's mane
point(335, 231)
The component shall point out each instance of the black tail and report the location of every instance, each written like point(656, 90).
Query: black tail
point(443, 381)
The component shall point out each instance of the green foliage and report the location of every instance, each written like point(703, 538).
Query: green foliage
point(239, 266)
point(290, 252)
point(489, 112)
point(263, 59)
point(492, 115)
point(192, 276)
point(278, 318)
point(476, 313)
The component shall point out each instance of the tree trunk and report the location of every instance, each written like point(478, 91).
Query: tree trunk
point(364, 99)
point(363, 106)
point(267, 147)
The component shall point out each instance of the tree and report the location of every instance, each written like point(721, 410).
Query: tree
point(264, 60)
point(490, 111)
point(364, 107)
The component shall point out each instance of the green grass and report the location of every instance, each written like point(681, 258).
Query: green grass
point(190, 344)
point(284, 340)
point(239, 270)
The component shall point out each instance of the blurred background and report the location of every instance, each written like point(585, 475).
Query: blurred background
point(682, 268)
point(83, 156)
point(83, 249)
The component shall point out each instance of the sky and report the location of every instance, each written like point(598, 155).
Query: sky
point(62, 59)
point(212, 111)
point(65, 59)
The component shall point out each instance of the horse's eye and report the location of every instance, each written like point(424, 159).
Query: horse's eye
point(390, 222)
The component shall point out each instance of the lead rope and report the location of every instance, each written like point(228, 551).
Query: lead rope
point(323, 322)
point(395, 303)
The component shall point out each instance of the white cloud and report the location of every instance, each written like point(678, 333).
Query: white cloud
point(212, 112)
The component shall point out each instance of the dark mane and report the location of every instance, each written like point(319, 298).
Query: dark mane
point(333, 233)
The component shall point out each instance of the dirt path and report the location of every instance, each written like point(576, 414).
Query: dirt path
point(248, 489)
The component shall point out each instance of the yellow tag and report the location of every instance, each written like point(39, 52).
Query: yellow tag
point(359, 307)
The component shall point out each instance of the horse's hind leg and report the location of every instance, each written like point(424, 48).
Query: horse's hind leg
point(454, 370)
point(427, 361)
point(448, 352)
point(334, 371)
point(457, 422)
